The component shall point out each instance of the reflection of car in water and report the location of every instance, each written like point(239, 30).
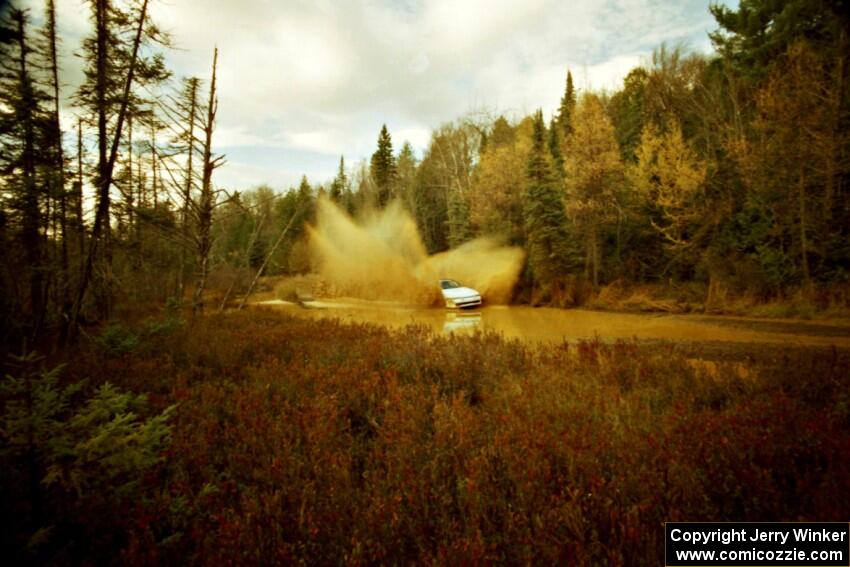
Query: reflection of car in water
point(458, 296)
point(461, 321)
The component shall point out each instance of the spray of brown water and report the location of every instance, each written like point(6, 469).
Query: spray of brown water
point(383, 257)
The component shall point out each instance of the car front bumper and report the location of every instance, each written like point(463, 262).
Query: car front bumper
point(464, 302)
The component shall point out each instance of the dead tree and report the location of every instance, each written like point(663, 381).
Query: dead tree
point(206, 204)
point(192, 96)
point(106, 168)
point(50, 36)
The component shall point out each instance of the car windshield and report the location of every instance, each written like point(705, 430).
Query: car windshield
point(448, 284)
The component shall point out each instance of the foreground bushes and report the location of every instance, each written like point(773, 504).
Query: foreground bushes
point(72, 465)
point(332, 443)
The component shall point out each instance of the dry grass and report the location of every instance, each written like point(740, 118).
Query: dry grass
point(298, 440)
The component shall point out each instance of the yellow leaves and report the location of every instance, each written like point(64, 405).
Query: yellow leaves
point(497, 187)
point(670, 175)
point(592, 157)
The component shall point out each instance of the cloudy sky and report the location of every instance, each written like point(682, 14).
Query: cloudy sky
point(303, 81)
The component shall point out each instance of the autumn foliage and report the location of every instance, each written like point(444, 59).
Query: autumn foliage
point(338, 443)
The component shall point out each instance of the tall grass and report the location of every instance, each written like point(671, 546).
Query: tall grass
point(342, 443)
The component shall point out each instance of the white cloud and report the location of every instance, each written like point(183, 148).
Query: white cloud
point(418, 137)
point(233, 136)
point(313, 79)
point(322, 141)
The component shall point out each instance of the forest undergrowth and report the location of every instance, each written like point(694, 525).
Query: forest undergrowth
point(253, 437)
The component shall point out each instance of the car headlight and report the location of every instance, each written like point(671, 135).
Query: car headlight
point(450, 303)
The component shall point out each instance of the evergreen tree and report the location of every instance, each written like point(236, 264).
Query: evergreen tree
point(305, 191)
point(790, 60)
point(383, 168)
point(793, 165)
point(567, 108)
point(627, 112)
point(23, 119)
point(502, 134)
point(544, 213)
point(406, 174)
point(339, 184)
point(755, 36)
point(305, 209)
point(555, 148)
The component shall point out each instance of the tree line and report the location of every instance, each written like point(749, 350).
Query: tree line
point(729, 170)
point(126, 212)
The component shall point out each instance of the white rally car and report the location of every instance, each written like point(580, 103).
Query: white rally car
point(457, 296)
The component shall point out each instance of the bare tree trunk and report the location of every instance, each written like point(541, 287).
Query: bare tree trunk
point(104, 181)
point(64, 284)
point(187, 190)
point(131, 201)
point(205, 208)
point(153, 166)
point(63, 215)
point(804, 248)
point(78, 199)
point(594, 255)
point(102, 216)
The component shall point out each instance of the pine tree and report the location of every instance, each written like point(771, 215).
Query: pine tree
point(756, 35)
point(339, 184)
point(406, 174)
point(544, 213)
point(22, 123)
point(305, 206)
point(568, 107)
point(383, 168)
point(627, 112)
point(305, 191)
point(555, 148)
point(502, 134)
point(793, 165)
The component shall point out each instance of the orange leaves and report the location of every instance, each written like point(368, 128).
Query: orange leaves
point(325, 442)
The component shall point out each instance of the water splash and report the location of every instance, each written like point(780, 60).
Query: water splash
point(382, 257)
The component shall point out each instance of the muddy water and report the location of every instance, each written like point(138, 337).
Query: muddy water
point(556, 325)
